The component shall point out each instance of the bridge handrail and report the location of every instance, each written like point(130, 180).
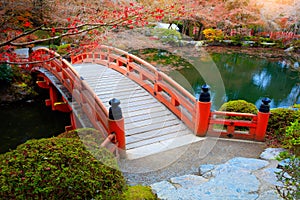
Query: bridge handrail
point(64, 71)
point(158, 81)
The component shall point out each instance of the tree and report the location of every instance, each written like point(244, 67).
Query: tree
point(82, 22)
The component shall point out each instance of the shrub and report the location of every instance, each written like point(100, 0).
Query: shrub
point(166, 35)
point(280, 118)
point(240, 106)
point(59, 168)
point(291, 139)
point(63, 49)
point(213, 34)
point(6, 73)
point(139, 192)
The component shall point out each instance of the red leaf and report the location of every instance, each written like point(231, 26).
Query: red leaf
point(53, 30)
point(27, 24)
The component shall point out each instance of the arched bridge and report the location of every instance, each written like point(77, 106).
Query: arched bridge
point(157, 113)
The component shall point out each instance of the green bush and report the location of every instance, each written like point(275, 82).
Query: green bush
point(63, 49)
point(6, 73)
point(280, 118)
point(60, 168)
point(240, 106)
point(291, 139)
point(166, 35)
point(139, 192)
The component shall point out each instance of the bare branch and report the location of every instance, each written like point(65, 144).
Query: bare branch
point(91, 26)
point(19, 36)
point(29, 62)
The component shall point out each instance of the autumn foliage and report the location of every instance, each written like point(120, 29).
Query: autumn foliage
point(77, 21)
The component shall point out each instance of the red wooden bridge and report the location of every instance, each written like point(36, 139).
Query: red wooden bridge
point(157, 113)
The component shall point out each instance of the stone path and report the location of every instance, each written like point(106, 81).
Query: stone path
point(238, 178)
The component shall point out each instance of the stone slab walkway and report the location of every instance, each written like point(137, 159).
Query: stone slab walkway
point(238, 178)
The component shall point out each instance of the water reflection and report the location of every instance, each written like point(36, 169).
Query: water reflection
point(262, 79)
point(23, 121)
point(245, 77)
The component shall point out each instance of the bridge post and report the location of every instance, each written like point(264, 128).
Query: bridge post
point(262, 119)
point(116, 124)
point(203, 112)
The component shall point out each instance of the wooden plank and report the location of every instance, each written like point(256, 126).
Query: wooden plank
point(124, 92)
point(119, 84)
point(155, 140)
point(148, 122)
point(138, 103)
point(142, 107)
point(142, 112)
point(126, 99)
point(147, 117)
point(152, 127)
point(107, 96)
point(154, 134)
point(115, 88)
point(168, 144)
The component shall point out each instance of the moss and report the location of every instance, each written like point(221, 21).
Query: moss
point(139, 192)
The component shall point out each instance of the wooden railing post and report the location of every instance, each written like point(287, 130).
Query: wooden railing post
point(203, 112)
point(116, 124)
point(262, 120)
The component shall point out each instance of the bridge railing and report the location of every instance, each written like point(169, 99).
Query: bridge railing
point(243, 128)
point(157, 83)
point(80, 90)
point(196, 114)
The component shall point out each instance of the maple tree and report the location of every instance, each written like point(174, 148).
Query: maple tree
point(80, 21)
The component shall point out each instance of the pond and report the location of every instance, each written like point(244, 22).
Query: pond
point(233, 76)
point(22, 121)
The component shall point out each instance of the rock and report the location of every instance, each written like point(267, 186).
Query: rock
point(164, 190)
point(250, 164)
point(205, 170)
point(147, 33)
point(234, 179)
point(288, 161)
point(187, 181)
point(271, 153)
point(289, 49)
point(270, 194)
point(269, 175)
point(200, 43)
point(284, 163)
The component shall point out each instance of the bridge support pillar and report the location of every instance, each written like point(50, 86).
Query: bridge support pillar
point(262, 120)
point(203, 112)
point(116, 125)
point(57, 101)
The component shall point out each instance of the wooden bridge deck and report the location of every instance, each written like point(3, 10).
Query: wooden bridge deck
point(150, 127)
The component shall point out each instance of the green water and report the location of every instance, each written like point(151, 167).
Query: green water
point(20, 122)
point(234, 76)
